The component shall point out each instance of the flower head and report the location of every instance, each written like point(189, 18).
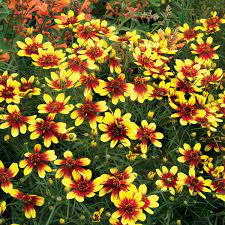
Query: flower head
point(6, 175)
point(63, 80)
point(31, 45)
point(195, 184)
point(147, 132)
point(115, 182)
point(47, 128)
point(37, 159)
point(59, 105)
point(82, 185)
point(89, 109)
point(29, 201)
point(205, 49)
point(117, 128)
point(129, 206)
point(48, 58)
point(168, 179)
point(10, 92)
point(68, 165)
point(16, 120)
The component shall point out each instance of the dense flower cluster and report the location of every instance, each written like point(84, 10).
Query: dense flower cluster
point(88, 83)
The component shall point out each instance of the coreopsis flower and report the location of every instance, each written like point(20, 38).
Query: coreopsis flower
point(129, 206)
point(5, 76)
point(150, 201)
point(141, 89)
point(82, 185)
point(208, 78)
point(15, 120)
point(63, 80)
point(6, 175)
point(167, 41)
point(162, 72)
point(196, 185)
point(68, 165)
point(30, 202)
point(212, 24)
point(147, 132)
point(2, 207)
point(91, 83)
point(95, 51)
point(47, 128)
point(188, 69)
point(135, 152)
point(168, 180)
point(129, 37)
point(31, 45)
point(216, 172)
point(59, 105)
point(68, 136)
point(190, 155)
point(117, 128)
point(85, 32)
point(48, 58)
point(188, 33)
point(218, 185)
point(89, 109)
point(115, 182)
point(159, 91)
point(105, 30)
point(96, 217)
point(37, 159)
point(205, 49)
point(114, 62)
point(69, 20)
point(148, 60)
point(10, 92)
point(186, 85)
point(27, 87)
point(117, 87)
point(187, 110)
point(78, 65)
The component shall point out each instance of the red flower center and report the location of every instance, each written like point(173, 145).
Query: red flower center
point(189, 71)
point(55, 106)
point(8, 92)
point(35, 158)
point(117, 130)
point(194, 182)
point(129, 209)
point(15, 117)
point(190, 33)
point(213, 21)
point(3, 176)
point(27, 198)
point(71, 20)
point(82, 186)
point(70, 163)
point(33, 48)
point(87, 108)
point(48, 60)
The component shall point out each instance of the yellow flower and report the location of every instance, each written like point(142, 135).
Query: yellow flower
point(48, 58)
point(69, 20)
point(117, 128)
point(59, 105)
point(96, 217)
point(168, 179)
point(195, 184)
